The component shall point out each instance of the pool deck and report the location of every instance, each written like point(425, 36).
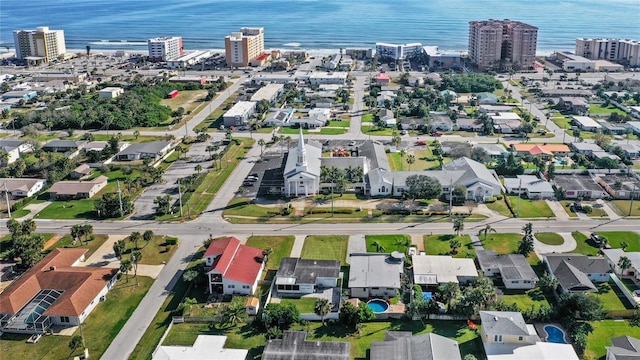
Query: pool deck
point(543, 334)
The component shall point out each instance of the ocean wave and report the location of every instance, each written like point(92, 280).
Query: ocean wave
point(118, 43)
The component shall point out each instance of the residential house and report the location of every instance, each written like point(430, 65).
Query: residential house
point(233, 268)
point(320, 78)
point(623, 348)
point(544, 150)
point(99, 146)
point(385, 97)
point(614, 128)
point(434, 270)
point(574, 105)
point(530, 186)
point(269, 92)
point(280, 117)
point(487, 99)
point(386, 117)
point(296, 277)
point(375, 274)
point(466, 124)
point(540, 351)
point(613, 258)
point(81, 172)
point(506, 122)
point(620, 185)
point(481, 183)
point(585, 123)
point(205, 347)
point(586, 148)
point(577, 272)
point(14, 148)
point(495, 151)
point(239, 114)
point(383, 78)
point(631, 151)
point(411, 123)
point(494, 109)
point(295, 346)
point(634, 126)
point(441, 121)
point(147, 150)
point(21, 187)
point(513, 269)
point(79, 189)
point(55, 291)
point(403, 345)
point(504, 331)
point(579, 186)
point(63, 145)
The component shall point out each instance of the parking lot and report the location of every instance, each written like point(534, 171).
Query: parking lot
point(270, 176)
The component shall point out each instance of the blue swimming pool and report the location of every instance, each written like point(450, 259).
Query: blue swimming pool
point(554, 334)
point(378, 306)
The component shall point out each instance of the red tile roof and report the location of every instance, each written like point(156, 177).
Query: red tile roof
point(383, 76)
point(262, 57)
point(237, 262)
point(80, 284)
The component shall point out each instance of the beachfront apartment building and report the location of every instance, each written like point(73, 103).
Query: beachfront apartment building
point(40, 44)
point(398, 51)
point(165, 48)
point(502, 43)
point(623, 51)
point(243, 47)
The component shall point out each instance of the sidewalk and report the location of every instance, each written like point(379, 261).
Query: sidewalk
point(296, 250)
point(34, 209)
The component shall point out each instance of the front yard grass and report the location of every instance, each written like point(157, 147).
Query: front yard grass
point(388, 242)
point(500, 206)
point(622, 207)
point(91, 245)
point(598, 109)
point(374, 130)
point(155, 252)
point(100, 328)
point(246, 336)
point(507, 243)
point(549, 238)
point(531, 208)
point(333, 130)
point(243, 207)
point(305, 305)
point(616, 238)
point(583, 245)
point(72, 209)
point(280, 247)
point(566, 205)
point(326, 247)
point(439, 245)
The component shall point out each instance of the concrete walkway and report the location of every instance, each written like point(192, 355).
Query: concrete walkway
point(296, 250)
point(558, 210)
point(612, 214)
point(357, 244)
point(34, 209)
point(568, 245)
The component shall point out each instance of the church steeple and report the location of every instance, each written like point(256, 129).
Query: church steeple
point(302, 151)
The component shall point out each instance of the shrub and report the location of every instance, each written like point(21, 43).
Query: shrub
point(499, 197)
point(171, 241)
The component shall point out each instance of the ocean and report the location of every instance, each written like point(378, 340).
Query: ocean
point(315, 24)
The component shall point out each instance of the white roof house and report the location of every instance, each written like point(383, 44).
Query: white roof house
point(375, 275)
point(205, 347)
point(586, 123)
point(436, 269)
point(529, 185)
point(268, 92)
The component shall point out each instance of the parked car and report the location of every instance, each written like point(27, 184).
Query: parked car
point(436, 134)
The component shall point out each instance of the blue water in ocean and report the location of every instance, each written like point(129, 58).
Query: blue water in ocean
point(314, 24)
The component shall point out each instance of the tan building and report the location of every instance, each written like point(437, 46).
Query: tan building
point(502, 44)
point(625, 52)
point(40, 44)
point(243, 47)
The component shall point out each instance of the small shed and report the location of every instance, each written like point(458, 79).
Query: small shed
point(173, 94)
point(252, 306)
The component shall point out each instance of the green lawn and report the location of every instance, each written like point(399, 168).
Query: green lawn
point(602, 333)
point(305, 305)
point(507, 243)
point(388, 242)
point(326, 247)
point(100, 328)
point(598, 109)
point(246, 336)
point(566, 205)
point(500, 206)
point(612, 297)
point(72, 209)
point(424, 161)
point(280, 245)
point(291, 131)
point(531, 208)
point(374, 130)
point(92, 245)
point(339, 124)
point(439, 245)
point(525, 299)
point(550, 238)
point(155, 252)
point(617, 237)
point(333, 131)
point(242, 207)
point(583, 246)
point(622, 207)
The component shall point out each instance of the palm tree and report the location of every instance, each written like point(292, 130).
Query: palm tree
point(401, 242)
point(136, 133)
point(74, 343)
point(125, 267)
point(624, 245)
point(119, 248)
point(134, 238)
point(486, 230)
point(262, 143)
point(28, 227)
point(410, 160)
point(322, 308)
point(147, 236)
point(458, 225)
point(210, 148)
point(624, 263)
point(454, 244)
point(198, 168)
point(135, 258)
point(215, 157)
point(403, 152)
point(378, 246)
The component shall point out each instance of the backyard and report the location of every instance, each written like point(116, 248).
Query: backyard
point(424, 160)
point(326, 247)
point(602, 333)
point(525, 300)
point(305, 305)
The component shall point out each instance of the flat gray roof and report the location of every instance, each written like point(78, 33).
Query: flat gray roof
point(576, 182)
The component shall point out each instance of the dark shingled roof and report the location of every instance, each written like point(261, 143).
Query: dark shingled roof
point(294, 346)
point(306, 271)
point(400, 345)
point(625, 348)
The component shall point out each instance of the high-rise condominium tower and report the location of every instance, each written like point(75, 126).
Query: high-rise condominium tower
point(495, 44)
point(244, 46)
point(42, 42)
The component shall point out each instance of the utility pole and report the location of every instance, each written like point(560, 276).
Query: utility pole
point(180, 196)
point(630, 205)
point(6, 196)
point(519, 197)
point(120, 199)
point(450, 196)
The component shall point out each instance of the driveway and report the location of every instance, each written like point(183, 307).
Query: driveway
point(558, 210)
point(568, 245)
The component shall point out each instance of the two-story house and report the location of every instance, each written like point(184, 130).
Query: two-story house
point(234, 268)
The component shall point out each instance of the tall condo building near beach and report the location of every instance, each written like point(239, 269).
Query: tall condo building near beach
point(40, 44)
point(502, 44)
point(244, 46)
point(165, 48)
point(625, 52)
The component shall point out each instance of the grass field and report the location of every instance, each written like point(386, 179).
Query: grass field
point(92, 245)
point(388, 242)
point(333, 131)
point(246, 336)
point(439, 245)
point(597, 109)
point(549, 238)
point(507, 243)
point(612, 297)
point(525, 299)
point(622, 207)
point(188, 99)
point(500, 206)
point(326, 247)
point(100, 328)
point(617, 237)
point(602, 333)
point(155, 252)
point(242, 207)
point(214, 120)
point(305, 305)
point(280, 245)
point(531, 208)
point(374, 130)
point(583, 245)
point(424, 161)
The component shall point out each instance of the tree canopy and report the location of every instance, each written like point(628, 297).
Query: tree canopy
point(470, 83)
point(423, 187)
